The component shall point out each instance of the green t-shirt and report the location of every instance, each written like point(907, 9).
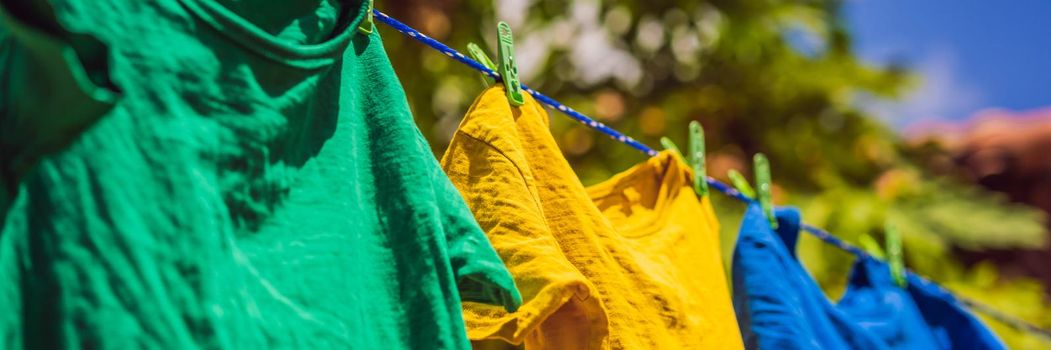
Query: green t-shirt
point(177, 176)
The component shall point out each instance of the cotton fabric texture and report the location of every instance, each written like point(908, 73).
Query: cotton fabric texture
point(952, 326)
point(225, 178)
point(918, 316)
point(632, 263)
point(883, 308)
point(778, 305)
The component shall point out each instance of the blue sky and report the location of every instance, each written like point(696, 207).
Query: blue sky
point(971, 54)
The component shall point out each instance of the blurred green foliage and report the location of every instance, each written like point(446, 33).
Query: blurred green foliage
point(777, 77)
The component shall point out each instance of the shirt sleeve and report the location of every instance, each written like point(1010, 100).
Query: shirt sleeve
point(53, 84)
point(557, 297)
point(482, 275)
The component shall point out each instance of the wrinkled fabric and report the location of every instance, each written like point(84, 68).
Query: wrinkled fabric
point(953, 327)
point(36, 117)
point(879, 306)
point(202, 182)
point(778, 305)
point(631, 263)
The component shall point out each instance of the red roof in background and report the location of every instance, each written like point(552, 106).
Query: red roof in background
point(995, 142)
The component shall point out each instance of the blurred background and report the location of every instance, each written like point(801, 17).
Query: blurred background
point(932, 114)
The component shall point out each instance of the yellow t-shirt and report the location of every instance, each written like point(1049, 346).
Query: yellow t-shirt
point(632, 263)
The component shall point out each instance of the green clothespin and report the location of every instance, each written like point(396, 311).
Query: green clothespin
point(765, 188)
point(508, 67)
point(871, 246)
point(894, 253)
point(697, 159)
point(740, 183)
point(366, 24)
point(479, 55)
point(668, 144)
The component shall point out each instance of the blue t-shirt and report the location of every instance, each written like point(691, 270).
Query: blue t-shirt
point(952, 326)
point(779, 306)
point(879, 306)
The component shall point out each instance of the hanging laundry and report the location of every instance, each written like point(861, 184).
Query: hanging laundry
point(253, 187)
point(921, 316)
point(880, 306)
point(953, 327)
point(35, 118)
point(632, 263)
point(778, 305)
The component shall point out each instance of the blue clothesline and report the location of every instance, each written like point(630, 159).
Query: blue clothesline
point(713, 183)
